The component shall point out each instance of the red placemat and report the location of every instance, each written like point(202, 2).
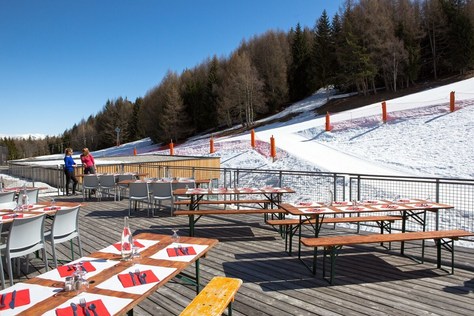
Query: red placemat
point(100, 309)
point(183, 251)
point(68, 270)
point(422, 205)
point(126, 278)
point(22, 297)
point(16, 215)
point(389, 206)
point(52, 208)
point(355, 208)
point(118, 245)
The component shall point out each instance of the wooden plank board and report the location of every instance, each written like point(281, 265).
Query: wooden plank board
point(275, 283)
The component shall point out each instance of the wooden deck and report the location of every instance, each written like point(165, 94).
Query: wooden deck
point(370, 279)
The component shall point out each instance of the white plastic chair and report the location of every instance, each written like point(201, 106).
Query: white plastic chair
point(107, 183)
point(138, 192)
point(8, 205)
point(161, 191)
point(65, 227)
point(183, 183)
point(26, 235)
point(2, 276)
point(122, 187)
point(7, 196)
point(90, 182)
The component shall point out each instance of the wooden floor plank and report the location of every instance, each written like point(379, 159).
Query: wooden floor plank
point(370, 280)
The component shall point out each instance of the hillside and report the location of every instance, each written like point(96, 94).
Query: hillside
point(352, 102)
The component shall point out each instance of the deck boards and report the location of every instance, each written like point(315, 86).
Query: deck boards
point(370, 280)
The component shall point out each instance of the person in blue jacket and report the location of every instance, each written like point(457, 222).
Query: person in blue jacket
point(69, 166)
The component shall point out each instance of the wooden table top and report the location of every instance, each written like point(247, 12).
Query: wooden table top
point(38, 209)
point(164, 240)
point(227, 191)
point(18, 189)
point(81, 175)
point(314, 208)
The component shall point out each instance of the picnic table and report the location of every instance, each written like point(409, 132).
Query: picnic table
point(272, 197)
point(114, 286)
point(415, 209)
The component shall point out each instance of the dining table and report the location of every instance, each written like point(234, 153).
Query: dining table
point(107, 284)
point(45, 207)
point(409, 209)
point(272, 194)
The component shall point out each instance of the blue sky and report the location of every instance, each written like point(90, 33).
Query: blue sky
point(60, 61)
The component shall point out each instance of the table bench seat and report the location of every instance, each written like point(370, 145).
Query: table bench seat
point(231, 211)
point(199, 213)
point(383, 221)
point(216, 296)
point(332, 244)
point(335, 220)
point(225, 202)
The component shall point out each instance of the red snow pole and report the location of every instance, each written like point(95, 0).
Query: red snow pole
point(171, 148)
point(211, 145)
point(252, 138)
point(328, 122)
point(384, 111)
point(272, 148)
point(451, 101)
point(134, 151)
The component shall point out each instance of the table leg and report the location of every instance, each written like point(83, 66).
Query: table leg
point(299, 237)
point(402, 244)
point(191, 225)
point(198, 277)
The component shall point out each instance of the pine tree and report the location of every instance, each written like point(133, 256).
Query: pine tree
point(299, 82)
point(323, 53)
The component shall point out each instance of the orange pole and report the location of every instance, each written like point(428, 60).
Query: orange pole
point(328, 122)
point(451, 101)
point(384, 111)
point(252, 138)
point(211, 145)
point(272, 147)
point(134, 151)
point(171, 148)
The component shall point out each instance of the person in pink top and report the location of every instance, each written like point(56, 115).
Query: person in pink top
point(87, 161)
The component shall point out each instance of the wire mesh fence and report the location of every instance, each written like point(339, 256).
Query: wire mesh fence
point(319, 186)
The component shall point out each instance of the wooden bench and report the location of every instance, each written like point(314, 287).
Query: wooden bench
point(216, 296)
point(193, 213)
point(264, 203)
point(332, 244)
point(383, 221)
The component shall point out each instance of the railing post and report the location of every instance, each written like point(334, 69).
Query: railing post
point(437, 191)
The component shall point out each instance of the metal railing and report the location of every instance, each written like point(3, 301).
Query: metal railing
point(310, 186)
